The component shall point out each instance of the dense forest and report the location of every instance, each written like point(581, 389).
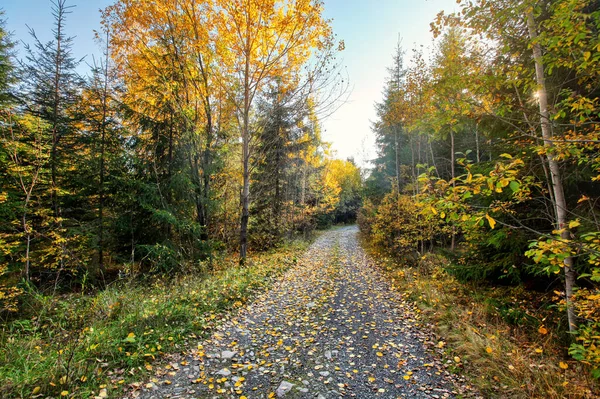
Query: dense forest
point(183, 141)
point(488, 154)
point(186, 145)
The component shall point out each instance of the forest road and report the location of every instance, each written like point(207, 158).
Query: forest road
point(331, 327)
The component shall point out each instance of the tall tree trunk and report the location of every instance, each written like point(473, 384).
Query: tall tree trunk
point(56, 133)
point(418, 163)
point(245, 199)
point(452, 160)
point(453, 173)
point(55, 127)
point(477, 142)
point(245, 158)
point(560, 202)
point(412, 164)
point(303, 185)
point(277, 200)
point(206, 168)
point(397, 158)
point(102, 149)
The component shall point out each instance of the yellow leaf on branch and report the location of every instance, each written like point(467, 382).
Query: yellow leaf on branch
point(490, 220)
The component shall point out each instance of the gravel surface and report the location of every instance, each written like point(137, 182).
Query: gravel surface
point(331, 327)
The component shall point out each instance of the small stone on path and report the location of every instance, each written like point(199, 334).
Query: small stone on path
point(284, 388)
point(227, 355)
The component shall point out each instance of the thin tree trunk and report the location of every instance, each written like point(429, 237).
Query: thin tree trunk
point(453, 173)
point(452, 160)
point(412, 165)
point(477, 142)
point(245, 158)
point(560, 202)
point(418, 162)
point(245, 195)
point(27, 261)
point(433, 159)
point(207, 161)
point(303, 185)
point(102, 150)
point(55, 105)
point(397, 158)
point(56, 135)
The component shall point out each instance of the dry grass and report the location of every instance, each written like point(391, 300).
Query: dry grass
point(502, 359)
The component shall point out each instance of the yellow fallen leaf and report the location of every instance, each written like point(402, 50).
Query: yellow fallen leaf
point(457, 359)
point(64, 393)
point(542, 330)
point(379, 354)
point(489, 350)
point(563, 365)
point(36, 390)
point(406, 377)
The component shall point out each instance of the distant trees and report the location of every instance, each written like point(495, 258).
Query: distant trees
point(264, 40)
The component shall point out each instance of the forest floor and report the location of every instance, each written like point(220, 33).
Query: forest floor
point(331, 327)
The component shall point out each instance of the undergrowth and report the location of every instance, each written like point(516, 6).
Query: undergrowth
point(509, 342)
point(76, 345)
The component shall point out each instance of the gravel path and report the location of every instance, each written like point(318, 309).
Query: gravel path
point(330, 328)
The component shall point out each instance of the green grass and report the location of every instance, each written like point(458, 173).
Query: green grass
point(73, 345)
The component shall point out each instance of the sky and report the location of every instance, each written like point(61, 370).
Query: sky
point(370, 29)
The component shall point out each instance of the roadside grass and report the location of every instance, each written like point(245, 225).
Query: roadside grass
point(90, 345)
point(508, 343)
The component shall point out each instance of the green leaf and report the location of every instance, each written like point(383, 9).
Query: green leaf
point(514, 186)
